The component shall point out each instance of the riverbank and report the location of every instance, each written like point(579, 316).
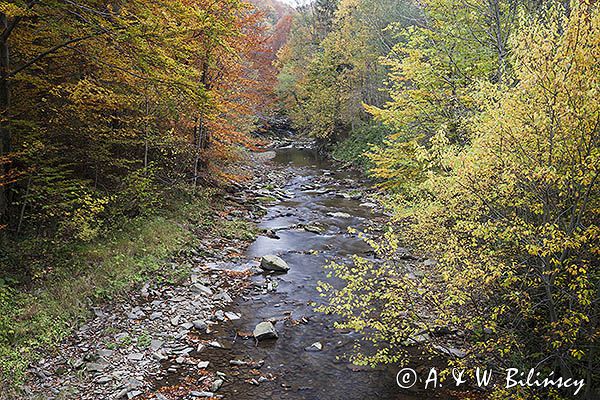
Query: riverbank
point(110, 307)
point(197, 337)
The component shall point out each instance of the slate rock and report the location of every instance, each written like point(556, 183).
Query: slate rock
point(274, 263)
point(265, 330)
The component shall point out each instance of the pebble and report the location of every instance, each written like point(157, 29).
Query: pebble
point(232, 316)
point(135, 356)
point(216, 385)
point(317, 346)
point(156, 344)
point(202, 394)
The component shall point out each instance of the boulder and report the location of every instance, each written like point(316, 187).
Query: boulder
point(274, 263)
point(265, 330)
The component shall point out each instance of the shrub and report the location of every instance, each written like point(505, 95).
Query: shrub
point(513, 220)
point(359, 142)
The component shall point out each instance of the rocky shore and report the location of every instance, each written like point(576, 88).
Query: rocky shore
point(126, 348)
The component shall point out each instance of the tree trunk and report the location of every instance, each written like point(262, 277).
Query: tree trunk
point(201, 134)
point(198, 146)
point(5, 135)
point(146, 134)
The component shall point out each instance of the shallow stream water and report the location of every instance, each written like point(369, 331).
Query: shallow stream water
point(313, 193)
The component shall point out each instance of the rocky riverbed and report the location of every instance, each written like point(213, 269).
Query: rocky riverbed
point(126, 347)
point(242, 325)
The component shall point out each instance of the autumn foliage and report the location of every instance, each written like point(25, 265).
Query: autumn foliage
point(108, 105)
point(490, 170)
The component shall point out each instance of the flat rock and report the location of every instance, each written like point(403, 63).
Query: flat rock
point(135, 356)
point(202, 394)
point(316, 346)
point(369, 205)
point(416, 339)
point(339, 215)
point(232, 316)
point(104, 379)
point(450, 351)
point(96, 367)
point(105, 353)
point(187, 325)
point(265, 330)
point(156, 344)
point(429, 263)
point(224, 296)
point(273, 263)
point(201, 289)
point(156, 315)
point(200, 325)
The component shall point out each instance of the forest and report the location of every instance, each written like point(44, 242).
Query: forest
point(143, 142)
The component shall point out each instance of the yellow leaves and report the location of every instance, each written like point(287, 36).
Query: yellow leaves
point(577, 354)
point(10, 9)
point(88, 93)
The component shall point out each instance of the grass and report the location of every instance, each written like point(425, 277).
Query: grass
point(39, 316)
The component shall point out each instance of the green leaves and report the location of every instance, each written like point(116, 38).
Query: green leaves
point(493, 172)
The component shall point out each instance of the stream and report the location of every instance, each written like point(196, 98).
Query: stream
point(314, 193)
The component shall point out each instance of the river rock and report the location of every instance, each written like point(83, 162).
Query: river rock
point(187, 325)
point(273, 263)
point(201, 289)
point(202, 394)
point(156, 344)
point(450, 351)
point(314, 228)
point(316, 346)
point(216, 385)
point(105, 353)
point(224, 296)
point(156, 315)
point(416, 340)
point(135, 356)
point(265, 330)
point(232, 316)
point(133, 393)
point(369, 205)
point(200, 325)
point(104, 379)
point(339, 215)
point(96, 367)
